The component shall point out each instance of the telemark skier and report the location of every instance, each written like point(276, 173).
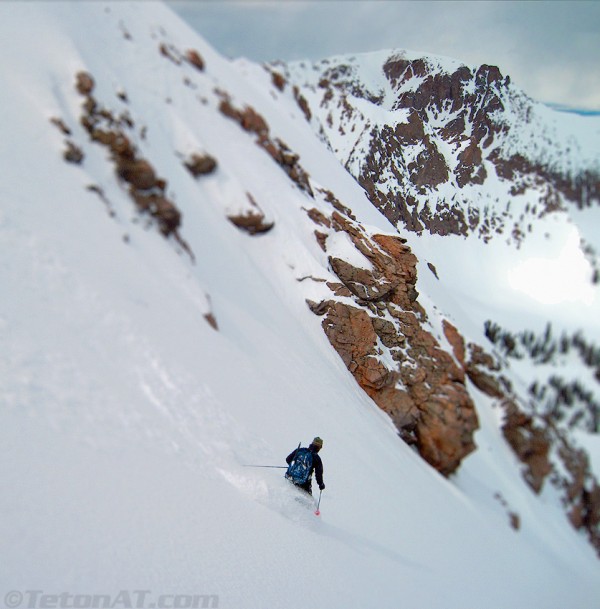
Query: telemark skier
point(302, 463)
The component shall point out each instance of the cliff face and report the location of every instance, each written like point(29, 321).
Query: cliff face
point(374, 321)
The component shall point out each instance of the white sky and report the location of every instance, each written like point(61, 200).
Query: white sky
point(551, 49)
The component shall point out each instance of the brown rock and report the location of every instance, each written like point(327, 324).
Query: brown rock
point(394, 69)
point(412, 131)
point(84, 83)
point(145, 188)
point(388, 333)
point(61, 125)
point(278, 80)
point(252, 121)
point(430, 408)
point(170, 52)
point(478, 357)
point(361, 282)
point(321, 239)
point(485, 382)
point(212, 321)
point(350, 331)
point(227, 109)
point(253, 222)
point(194, 58)
point(73, 154)
point(530, 443)
point(318, 217)
point(302, 104)
point(201, 164)
point(445, 430)
point(160, 208)
point(480, 367)
point(456, 341)
point(120, 146)
point(138, 172)
point(470, 169)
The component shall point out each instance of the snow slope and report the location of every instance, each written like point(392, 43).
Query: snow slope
point(127, 420)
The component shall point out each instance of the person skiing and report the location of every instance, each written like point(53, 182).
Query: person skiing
point(302, 463)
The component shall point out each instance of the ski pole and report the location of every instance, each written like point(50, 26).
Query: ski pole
point(317, 511)
point(273, 466)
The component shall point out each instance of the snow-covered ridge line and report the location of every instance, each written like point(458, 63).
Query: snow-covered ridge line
point(535, 120)
point(430, 140)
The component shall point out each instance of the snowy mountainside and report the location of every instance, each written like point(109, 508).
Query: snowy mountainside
point(165, 217)
point(452, 149)
point(446, 133)
point(459, 157)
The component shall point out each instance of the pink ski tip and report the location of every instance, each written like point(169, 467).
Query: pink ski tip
point(317, 513)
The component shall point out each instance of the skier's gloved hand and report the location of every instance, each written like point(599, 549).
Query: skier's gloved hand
point(322, 487)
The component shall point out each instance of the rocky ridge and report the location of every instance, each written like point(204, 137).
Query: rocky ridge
point(427, 138)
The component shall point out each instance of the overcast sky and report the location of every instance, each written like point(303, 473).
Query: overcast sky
point(549, 48)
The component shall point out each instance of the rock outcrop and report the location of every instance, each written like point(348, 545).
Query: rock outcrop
point(375, 323)
point(545, 451)
point(199, 164)
point(146, 189)
point(252, 122)
point(252, 219)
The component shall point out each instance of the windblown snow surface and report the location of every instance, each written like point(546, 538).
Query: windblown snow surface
point(128, 421)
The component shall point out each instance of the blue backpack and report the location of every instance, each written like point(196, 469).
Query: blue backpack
point(299, 470)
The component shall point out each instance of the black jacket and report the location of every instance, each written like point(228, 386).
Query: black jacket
point(317, 465)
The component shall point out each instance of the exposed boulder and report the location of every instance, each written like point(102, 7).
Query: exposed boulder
point(278, 80)
point(252, 219)
point(428, 403)
point(252, 222)
point(200, 164)
point(171, 52)
point(84, 83)
point(302, 103)
point(582, 492)
point(248, 118)
point(457, 342)
point(195, 59)
point(157, 205)
point(481, 368)
point(470, 169)
point(361, 282)
point(530, 442)
point(73, 153)
point(137, 172)
point(536, 440)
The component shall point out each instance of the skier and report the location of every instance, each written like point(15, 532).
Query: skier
point(303, 462)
